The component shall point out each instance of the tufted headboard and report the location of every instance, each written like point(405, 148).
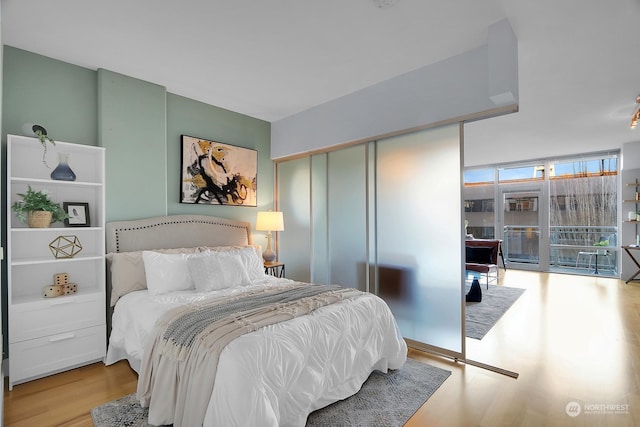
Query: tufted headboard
point(169, 232)
point(176, 231)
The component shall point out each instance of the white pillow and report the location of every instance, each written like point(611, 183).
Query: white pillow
point(217, 270)
point(252, 259)
point(249, 255)
point(166, 272)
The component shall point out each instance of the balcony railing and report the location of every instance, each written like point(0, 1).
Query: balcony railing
point(522, 244)
point(574, 247)
point(571, 248)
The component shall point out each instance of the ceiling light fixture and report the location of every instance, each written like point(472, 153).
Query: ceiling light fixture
point(384, 4)
point(636, 116)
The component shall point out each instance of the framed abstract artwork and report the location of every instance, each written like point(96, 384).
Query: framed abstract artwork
point(214, 173)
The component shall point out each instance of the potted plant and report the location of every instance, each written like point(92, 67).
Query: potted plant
point(600, 244)
point(37, 209)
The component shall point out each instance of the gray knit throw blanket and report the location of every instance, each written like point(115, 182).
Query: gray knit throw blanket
point(181, 332)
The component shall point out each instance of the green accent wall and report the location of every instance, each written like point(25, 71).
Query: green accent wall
point(138, 122)
point(131, 126)
point(59, 96)
point(193, 118)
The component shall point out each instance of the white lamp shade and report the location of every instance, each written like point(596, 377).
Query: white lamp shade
point(270, 221)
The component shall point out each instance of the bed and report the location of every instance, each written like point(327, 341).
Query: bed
point(319, 348)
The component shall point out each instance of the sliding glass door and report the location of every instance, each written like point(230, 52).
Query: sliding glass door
point(419, 235)
point(384, 216)
point(521, 228)
point(347, 214)
point(294, 244)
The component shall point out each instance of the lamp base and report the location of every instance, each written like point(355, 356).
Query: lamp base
point(268, 255)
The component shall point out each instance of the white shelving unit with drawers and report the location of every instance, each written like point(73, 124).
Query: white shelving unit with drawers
point(50, 335)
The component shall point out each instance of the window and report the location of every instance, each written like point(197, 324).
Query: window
point(583, 214)
point(602, 166)
point(521, 173)
point(479, 202)
point(479, 176)
point(582, 207)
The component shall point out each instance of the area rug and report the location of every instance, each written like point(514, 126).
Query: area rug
point(482, 316)
point(385, 400)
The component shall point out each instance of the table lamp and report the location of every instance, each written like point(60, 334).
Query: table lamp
point(269, 221)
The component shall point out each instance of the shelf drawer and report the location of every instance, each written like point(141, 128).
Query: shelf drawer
point(47, 355)
point(55, 315)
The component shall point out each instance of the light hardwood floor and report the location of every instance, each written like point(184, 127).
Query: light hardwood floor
point(571, 339)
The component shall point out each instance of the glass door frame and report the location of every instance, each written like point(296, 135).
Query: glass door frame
point(538, 188)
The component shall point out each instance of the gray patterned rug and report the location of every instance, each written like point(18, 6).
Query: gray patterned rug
point(385, 400)
point(481, 316)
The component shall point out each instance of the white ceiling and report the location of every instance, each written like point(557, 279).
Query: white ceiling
point(579, 60)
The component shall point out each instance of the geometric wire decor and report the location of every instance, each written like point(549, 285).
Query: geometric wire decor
point(65, 246)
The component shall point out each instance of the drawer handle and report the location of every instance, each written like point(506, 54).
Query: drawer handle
point(59, 301)
point(62, 337)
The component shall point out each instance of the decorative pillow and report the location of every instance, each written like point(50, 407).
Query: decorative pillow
point(217, 270)
point(166, 272)
point(127, 271)
point(249, 255)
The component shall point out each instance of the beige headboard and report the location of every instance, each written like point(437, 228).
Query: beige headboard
point(176, 231)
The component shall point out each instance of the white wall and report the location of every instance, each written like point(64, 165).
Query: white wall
point(630, 166)
point(630, 156)
point(477, 81)
point(1, 287)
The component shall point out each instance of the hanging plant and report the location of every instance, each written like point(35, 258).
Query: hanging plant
point(41, 133)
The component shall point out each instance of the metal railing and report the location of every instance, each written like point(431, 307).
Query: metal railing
point(583, 236)
point(521, 244)
point(584, 247)
point(571, 248)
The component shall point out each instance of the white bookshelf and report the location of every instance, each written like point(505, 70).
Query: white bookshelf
point(50, 335)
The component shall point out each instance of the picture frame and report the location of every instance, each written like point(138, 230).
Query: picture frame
point(78, 214)
point(215, 173)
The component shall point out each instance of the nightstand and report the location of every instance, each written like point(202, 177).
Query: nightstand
point(274, 268)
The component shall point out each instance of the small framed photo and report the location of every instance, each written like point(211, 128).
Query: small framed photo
point(78, 214)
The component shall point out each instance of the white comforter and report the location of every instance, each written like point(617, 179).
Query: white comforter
point(279, 374)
